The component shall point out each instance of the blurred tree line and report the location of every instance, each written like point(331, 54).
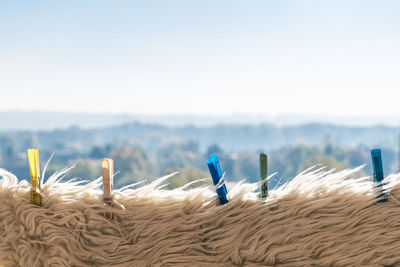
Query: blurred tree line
point(134, 164)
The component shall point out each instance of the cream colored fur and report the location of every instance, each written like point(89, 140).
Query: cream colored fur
point(320, 218)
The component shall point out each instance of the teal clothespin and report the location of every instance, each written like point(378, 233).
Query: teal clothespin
point(263, 175)
point(378, 173)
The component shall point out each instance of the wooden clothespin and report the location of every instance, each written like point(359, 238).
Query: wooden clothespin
point(33, 160)
point(263, 175)
point(107, 169)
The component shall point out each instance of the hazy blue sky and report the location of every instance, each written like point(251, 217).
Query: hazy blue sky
point(202, 57)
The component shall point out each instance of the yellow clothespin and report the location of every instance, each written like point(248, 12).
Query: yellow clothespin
point(107, 168)
point(33, 159)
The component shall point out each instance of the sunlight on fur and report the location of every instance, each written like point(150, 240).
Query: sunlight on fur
point(320, 218)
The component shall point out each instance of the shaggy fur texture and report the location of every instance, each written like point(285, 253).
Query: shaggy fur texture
point(320, 218)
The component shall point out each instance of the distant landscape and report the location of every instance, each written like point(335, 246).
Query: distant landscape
point(149, 150)
point(45, 120)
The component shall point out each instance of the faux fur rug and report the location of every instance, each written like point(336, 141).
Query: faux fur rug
point(320, 218)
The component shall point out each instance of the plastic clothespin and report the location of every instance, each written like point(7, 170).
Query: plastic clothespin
point(378, 173)
point(263, 175)
point(216, 174)
point(33, 159)
point(107, 169)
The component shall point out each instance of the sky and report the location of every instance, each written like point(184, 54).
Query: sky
point(333, 58)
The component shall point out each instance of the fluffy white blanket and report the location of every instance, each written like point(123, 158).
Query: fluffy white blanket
point(320, 218)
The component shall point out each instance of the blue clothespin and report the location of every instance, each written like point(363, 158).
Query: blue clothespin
point(378, 173)
point(216, 174)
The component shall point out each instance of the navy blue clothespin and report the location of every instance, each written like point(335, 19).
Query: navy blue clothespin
point(216, 174)
point(378, 173)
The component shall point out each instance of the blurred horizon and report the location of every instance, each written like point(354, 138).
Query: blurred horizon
point(145, 151)
point(39, 120)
